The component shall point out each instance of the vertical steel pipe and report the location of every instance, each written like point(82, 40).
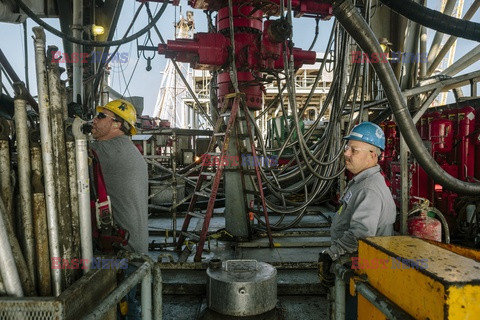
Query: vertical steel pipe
point(3, 291)
point(157, 291)
point(147, 295)
point(174, 184)
point(46, 139)
point(72, 181)
point(63, 86)
point(5, 180)
point(24, 175)
point(40, 228)
point(8, 269)
point(60, 162)
point(339, 298)
point(423, 52)
point(77, 29)
point(83, 191)
point(404, 186)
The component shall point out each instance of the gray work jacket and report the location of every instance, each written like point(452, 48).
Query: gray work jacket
point(367, 209)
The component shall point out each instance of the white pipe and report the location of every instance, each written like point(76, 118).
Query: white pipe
point(40, 229)
point(77, 28)
point(464, 62)
point(147, 295)
point(437, 39)
point(24, 175)
point(60, 162)
point(339, 298)
point(157, 292)
point(8, 269)
point(81, 152)
point(5, 180)
point(46, 139)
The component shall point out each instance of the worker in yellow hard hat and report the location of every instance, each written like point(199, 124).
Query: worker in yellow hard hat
point(122, 117)
point(125, 176)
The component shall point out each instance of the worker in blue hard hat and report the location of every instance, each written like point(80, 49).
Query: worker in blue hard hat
point(367, 206)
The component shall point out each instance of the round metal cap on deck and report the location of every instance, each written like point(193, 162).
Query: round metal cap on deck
point(242, 288)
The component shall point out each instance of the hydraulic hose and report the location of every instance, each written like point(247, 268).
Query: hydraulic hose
point(435, 19)
point(354, 23)
point(65, 36)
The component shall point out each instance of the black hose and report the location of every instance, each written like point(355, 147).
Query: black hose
point(65, 36)
point(435, 19)
point(353, 22)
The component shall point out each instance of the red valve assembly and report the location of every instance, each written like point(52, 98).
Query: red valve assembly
point(260, 45)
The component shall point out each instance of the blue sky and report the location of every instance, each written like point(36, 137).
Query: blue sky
point(145, 83)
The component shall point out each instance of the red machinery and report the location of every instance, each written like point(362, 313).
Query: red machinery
point(453, 138)
point(259, 45)
point(476, 138)
point(466, 145)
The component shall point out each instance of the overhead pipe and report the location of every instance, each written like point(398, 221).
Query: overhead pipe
point(60, 161)
point(8, 269)
point(24, 175)
point(432, 65)
point(354, 23)
point(46, 140)
point(83, 190)
point(435, 20)
point(5, 180)
point(437, 39)
point(464, 62)
point(40, 228)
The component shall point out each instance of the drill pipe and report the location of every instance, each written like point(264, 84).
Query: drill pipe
point(24, 174)
point(8, 269)
point(5, 180)
point(72, 181)
point(46, 139)
point(40, 224)
point(60, 163)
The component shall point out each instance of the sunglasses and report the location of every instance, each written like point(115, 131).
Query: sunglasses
point(102, 115)
point(355, 150)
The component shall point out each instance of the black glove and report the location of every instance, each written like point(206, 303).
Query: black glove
point(327, 278)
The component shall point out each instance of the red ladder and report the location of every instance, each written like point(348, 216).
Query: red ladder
point(235, 110)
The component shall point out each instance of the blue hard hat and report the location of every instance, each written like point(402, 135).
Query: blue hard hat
point(368, 132)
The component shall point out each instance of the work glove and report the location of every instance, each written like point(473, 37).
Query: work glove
point(327, 278)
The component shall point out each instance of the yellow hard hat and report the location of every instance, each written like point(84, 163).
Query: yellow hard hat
point(124, 110)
